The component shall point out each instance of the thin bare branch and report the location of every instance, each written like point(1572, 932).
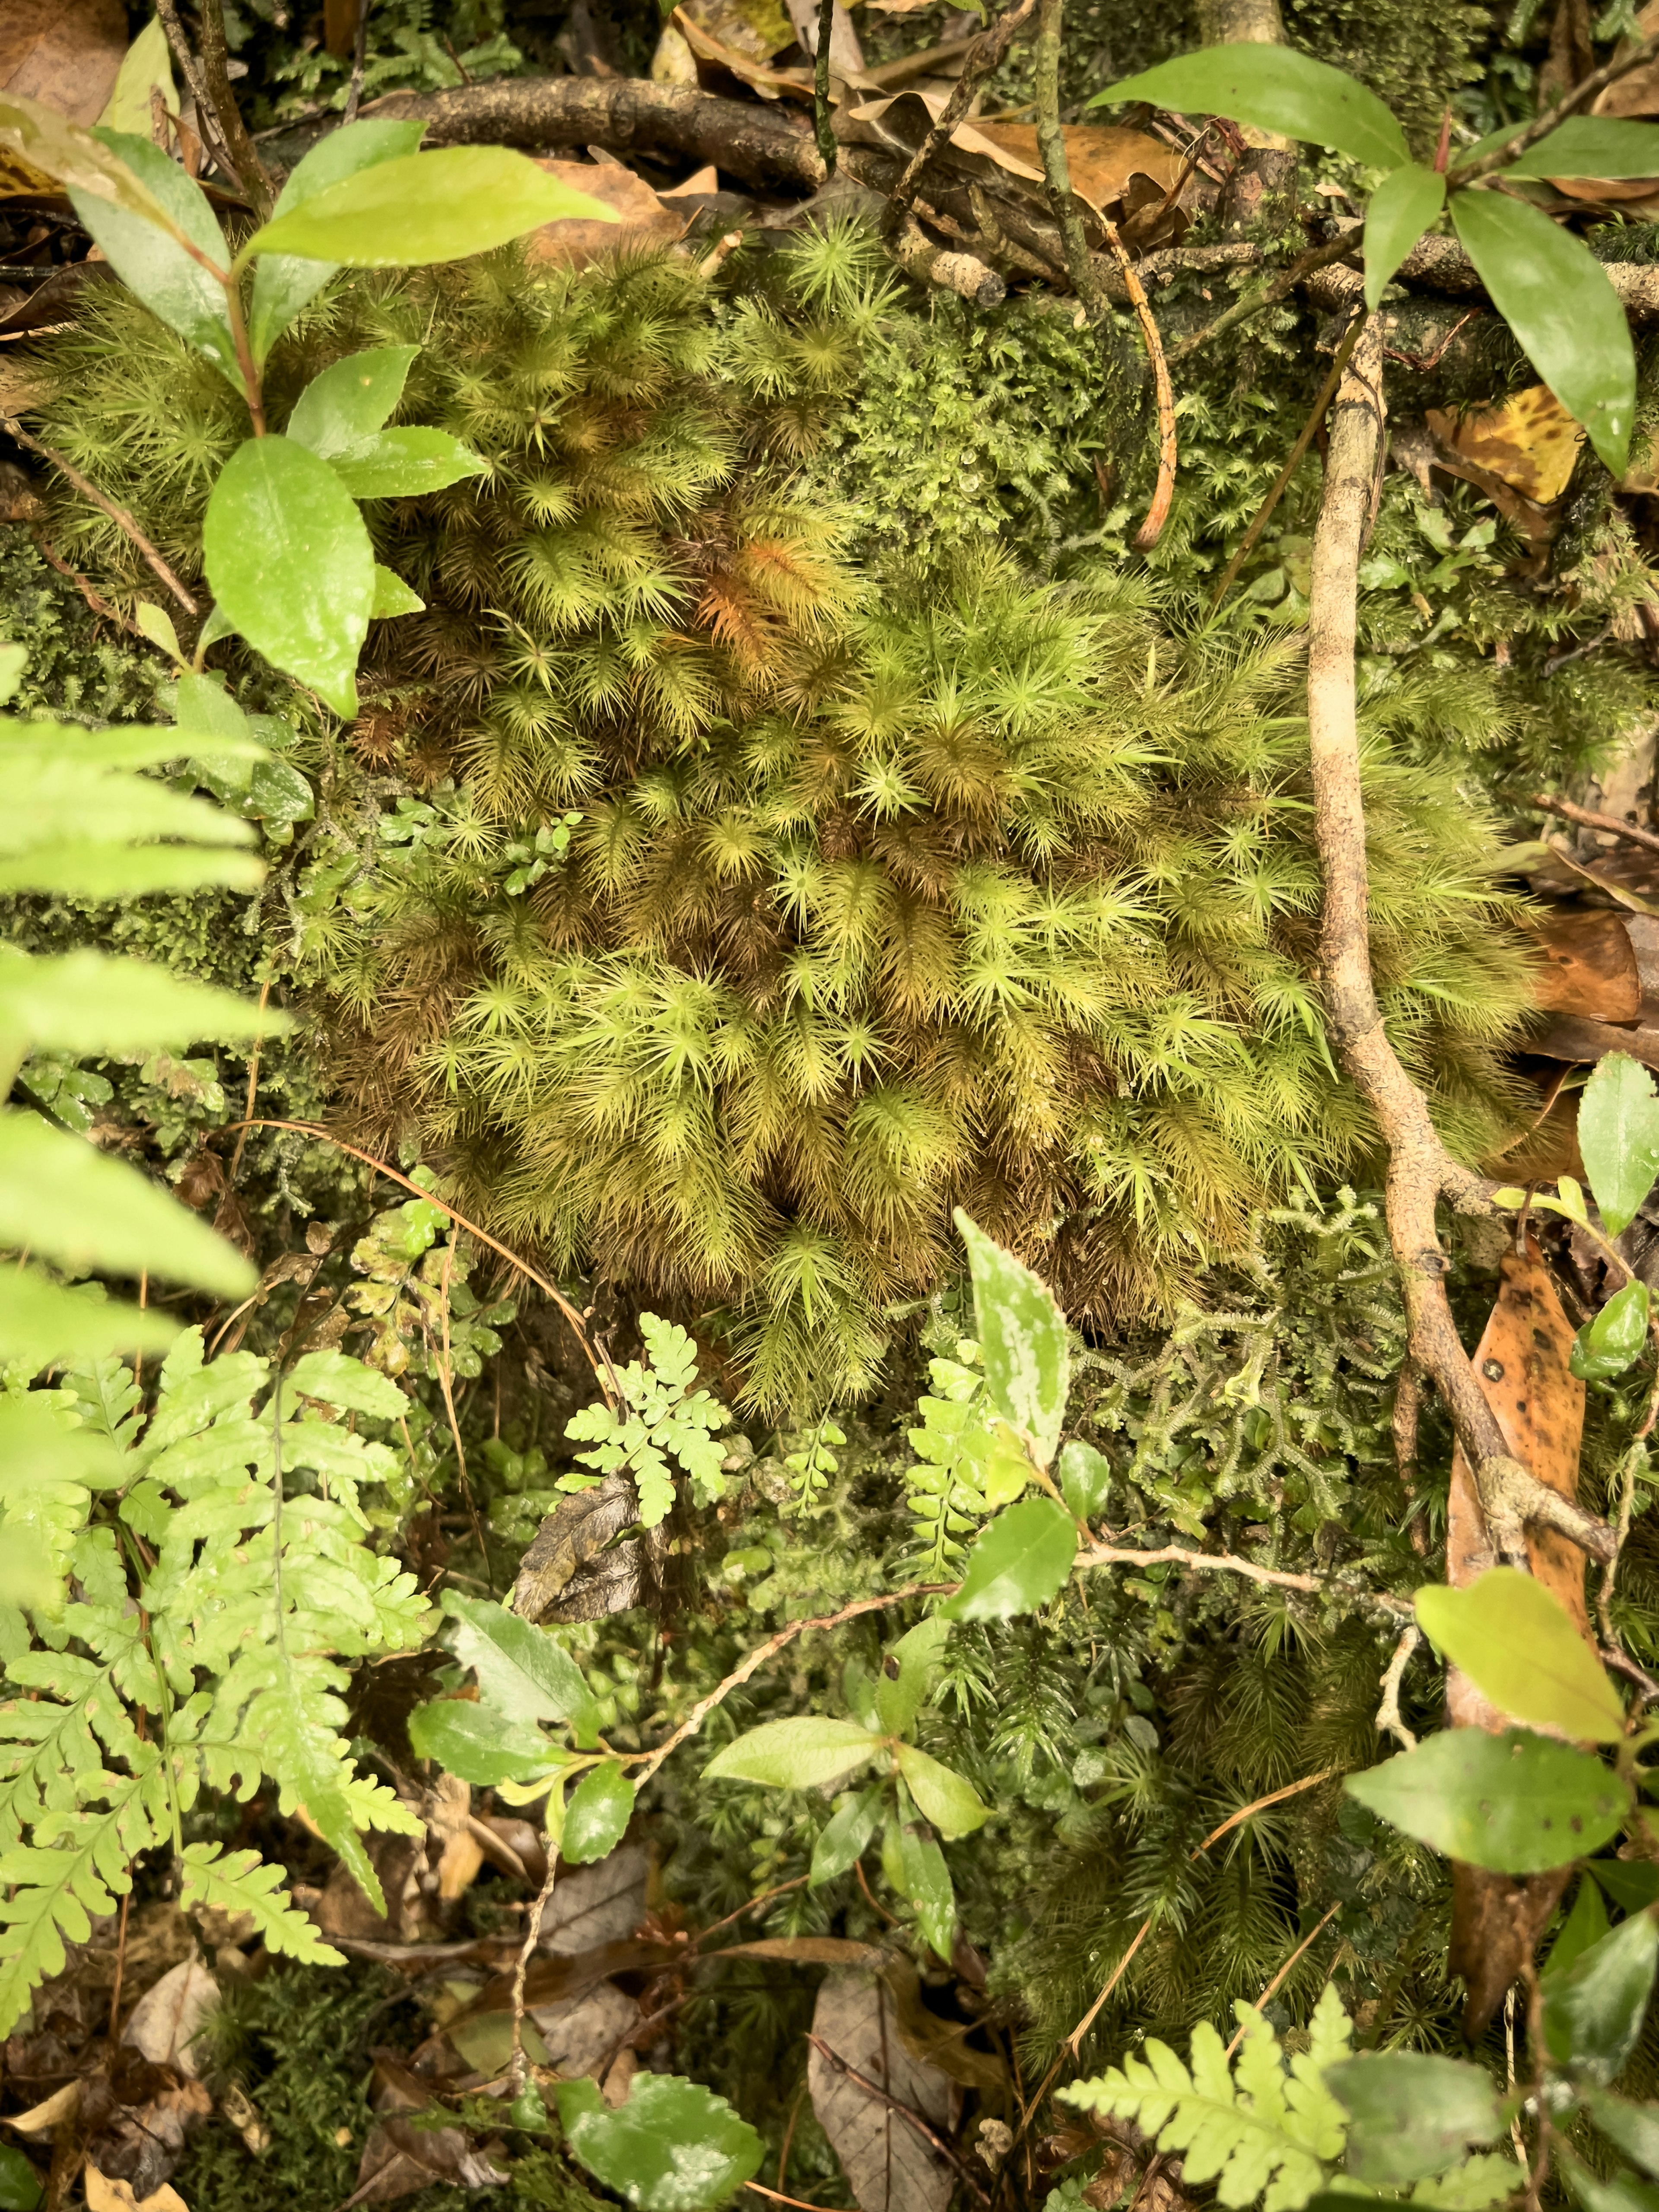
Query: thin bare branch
point(1581, 97)
point(118, 516)
point(1158, 513)
point(1388, 1713)
point(1288, 1968)
point(983, 56)
point(1269, 295)
point(1115, 1555)
point(1588, 818)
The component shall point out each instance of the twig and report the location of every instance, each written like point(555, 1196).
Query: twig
point(822, 129)
point(252, 1085)
point(765, 1897)
point(359, 49)
point(1305, 1945)
point(758, 1657)
point(834, 2059)
point(714, 258)
point(118, 515)
point(776, 2196)
point(1613, 1657)
point(120, 1963)
point(869, 1897)
point(1588, 818)
point(445, 1383)
point(190, 70)
point(1257, 303)
point(1420, 1169)
point(605, 1374)
point(1388, 1713)
point(245, 166)
point(1057, 173)
point(1115, 1555)
point(101, 607)
point(1579, 97)
point(520, 2067)
point(789, 2132)
point(1304, 439)
point(983, 55)
point(1158, 513)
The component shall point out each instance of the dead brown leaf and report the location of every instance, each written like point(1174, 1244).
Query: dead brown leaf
point(64, 53)
point(576, 241)
point(563, 1577)
point(1530, 441)
point(108, 2195)
point(400, 2158)
point(165, 2021)
point(889, 2165)
point(1590, 966)
point(1637, 93)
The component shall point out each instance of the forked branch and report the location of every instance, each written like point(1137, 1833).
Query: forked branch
point(1420, 1169)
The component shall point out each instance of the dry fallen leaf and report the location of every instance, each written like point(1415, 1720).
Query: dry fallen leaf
point(1530, 441)
point(1637, 93)
point(576, 241)
point(165, 2021)
point(1589, 965)
point(64, 53)
point(890, 2167)
point(104, 2195)
point(450, 1839)
point(1103, 161)
point(40, 2119)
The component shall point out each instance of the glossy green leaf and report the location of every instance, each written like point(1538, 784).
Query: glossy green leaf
point(1609, 1344)
point(346, 405)
point(1276, 89)
point(1587, 1924)
point(21, 2189)
point(673, 2146)
point(1411, 2114)
point(907, 1671)
point(282, 284)
point(146, 67)
point(1632, 2129)
point(1400, 210)
point(405, 463)
point(1018, 1564)
point(524, 1672)
point(423, 208)
point(1514, 1640)
point(601, 1805)
point(1593, 2013)
point(1555, 296)
point(1619, 1137)
point(925, 1880)
point(156, 624)
point(1022, 1335)
point(1623, 2192)
point(67, 1202)
point(79, 159)
point(808, 1754)
point(42, 1322)
point(88, 1002)
point(392, 597)
point(1632, 1884)
point(339, 1380)
point(478, 1744)
point(1085, 1478)
point(151, 262)
point(1517, 1803)
point(946, 1798)
point(289, 561)
point(846, 1838)
point(1592, 146)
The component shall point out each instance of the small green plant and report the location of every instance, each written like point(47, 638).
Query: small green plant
point(666, 1420)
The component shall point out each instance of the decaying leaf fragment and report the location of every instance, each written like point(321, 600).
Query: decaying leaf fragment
point(400, 2158)
point(889, 2166)
point(1521, 1362)
point(566, 1573)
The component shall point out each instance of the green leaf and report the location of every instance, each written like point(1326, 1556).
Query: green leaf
point(339, 1380)
point(42, 1323)
point(1555, 296)
point(404, 213)
point(524, 1672)
point(1632, 1884)
point(1085, 1478)
point(946, 1798)
point(89, 1002)
point(601, 1805)
point(156, 624)
point(1619, 1137)
point(847, 1837)
point(907, 1672)
point(1632, 2129)
point(1018, 1564)
point(1585, 1924)
point(1592, 146)
point(479, 1745)
point(289, 561)
point(1402, 209)
point(146, 67)
point(73, 1205)
point(151, 262)
point(1593, 2013)
point(1413, 2114)
point(21, 2189)
point(1276, 89)
point(401, 463)
point(235, 1882)
point(673, 2146)
point(1607, 1345)
point(344, 407)
point(925, 1880)
point(1623, 2193)
point(1513, 1639)
point(392, 597)
point(1022, 1334)
point(1516, 1803)
point(808, 1754)
point(281, 284)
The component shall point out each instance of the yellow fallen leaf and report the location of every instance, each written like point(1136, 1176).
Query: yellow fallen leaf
point(1530, 441)
point(104, 2195)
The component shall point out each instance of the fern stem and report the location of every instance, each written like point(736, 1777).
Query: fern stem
point(823, 129)
point(277, 1514)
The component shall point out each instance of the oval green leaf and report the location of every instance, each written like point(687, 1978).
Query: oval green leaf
point(1593, 146)
point(673, 2146)
point(344, 407)
point(524, 1672)
point(1619, 1137)
point(924, 1879)
point(290, 563)
point(808, 1754)
point(153, 263)
point(1607, 1345)
point(423, 208)
point(1555, 296)
point(1516, 1803)
point(481, 1746)
point(1413, 2114)
point(1019, 1563)
point(1276, 89)
point(282, 285)
point(946, 1798)
point(403, 462)
point(392, 597)
point(906, 1674)
point(847, 1837)
point(1517, 1644)
point(1402, 209)
point(1085, 1478)
point(1022, 1334)
point(601, 1805)
point(1593, 2013)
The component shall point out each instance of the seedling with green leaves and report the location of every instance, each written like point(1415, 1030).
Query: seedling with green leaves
point(285, 549)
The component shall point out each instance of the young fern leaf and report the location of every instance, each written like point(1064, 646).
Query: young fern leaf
point(665, 1419)
point(240, 1881)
